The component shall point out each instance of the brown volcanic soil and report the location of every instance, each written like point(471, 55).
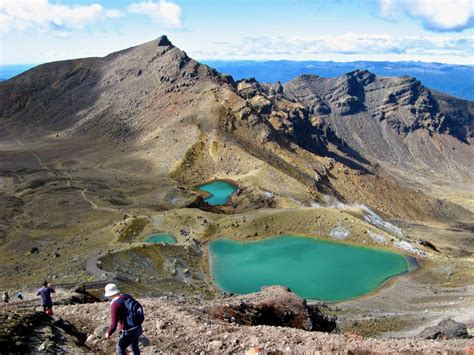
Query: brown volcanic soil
point(177, 322)
point(98, 153)
point(179, 325)
point(192, 325)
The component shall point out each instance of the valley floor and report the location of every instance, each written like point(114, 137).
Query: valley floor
point(68, 211)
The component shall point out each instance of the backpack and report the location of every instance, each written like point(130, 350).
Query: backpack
point(135, 315)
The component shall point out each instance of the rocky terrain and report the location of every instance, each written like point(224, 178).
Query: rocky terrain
point(193, 325)
point(98, 153)
point(418, 135)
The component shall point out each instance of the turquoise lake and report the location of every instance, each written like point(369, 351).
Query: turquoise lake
point(161, 238)
point(314, 269)
point(219, 192)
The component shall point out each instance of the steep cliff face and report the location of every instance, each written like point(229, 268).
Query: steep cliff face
point(288, 118)
point(393, 120)
point(404, 102)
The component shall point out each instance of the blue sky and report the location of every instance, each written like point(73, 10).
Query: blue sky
point(36, 31)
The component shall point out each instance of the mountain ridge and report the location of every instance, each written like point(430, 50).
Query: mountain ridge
point(448, 78)
point(133, 93)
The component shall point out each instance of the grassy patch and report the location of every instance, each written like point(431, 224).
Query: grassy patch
point(132, 230)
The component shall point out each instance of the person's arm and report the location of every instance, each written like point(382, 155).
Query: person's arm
point(38, 293)
point(114, 318)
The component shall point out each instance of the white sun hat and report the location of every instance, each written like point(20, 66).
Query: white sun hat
point(111, 290)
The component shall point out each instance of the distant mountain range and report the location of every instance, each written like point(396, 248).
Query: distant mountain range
point(456, 80)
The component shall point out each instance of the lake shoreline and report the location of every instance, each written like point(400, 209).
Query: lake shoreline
point(207, 195)
point(316, 252)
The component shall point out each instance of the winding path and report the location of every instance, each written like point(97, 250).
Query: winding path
point(94, 205)
point(93, 269)
point(26, 148)
point(64, 172)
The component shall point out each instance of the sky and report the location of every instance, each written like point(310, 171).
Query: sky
point(38, 31)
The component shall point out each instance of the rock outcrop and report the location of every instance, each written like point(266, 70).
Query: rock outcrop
point(404, 102)
point(276, 306)
point(446, 329)
point(77, 296)
point(394, 121)
point(24, 330)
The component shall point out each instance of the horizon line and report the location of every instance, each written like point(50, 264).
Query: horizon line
point(261, 61)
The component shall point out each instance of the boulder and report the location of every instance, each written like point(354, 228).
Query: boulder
point(256, 350)
point(90, 339)
point(42, 347)
point(427, 244)
point(275, 306)
point(46, 346)
point(163, 41)
point(99, 332)
point(446, 329)
point(215, 345)
point(78, 296)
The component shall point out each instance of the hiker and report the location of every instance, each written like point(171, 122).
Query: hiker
point(45, 294)
point(5, 297)
point(128, 314)
point(20, 296)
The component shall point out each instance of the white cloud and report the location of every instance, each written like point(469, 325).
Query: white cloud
point(436, 15)
point(113, 13)
point(346, 44)
point(164, 12)
point(22, 15)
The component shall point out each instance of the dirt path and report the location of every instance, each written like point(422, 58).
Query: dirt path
point(93, 268)
point(26, 148)
point(94, 205)
point(63, 171)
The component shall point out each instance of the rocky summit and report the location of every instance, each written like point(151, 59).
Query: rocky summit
point(394, 121)
point(99, 154)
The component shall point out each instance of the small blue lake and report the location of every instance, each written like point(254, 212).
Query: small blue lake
point(312, 268)
point(219, 192)
point(164, 238)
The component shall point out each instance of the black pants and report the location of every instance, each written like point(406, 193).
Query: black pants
point(129, 338)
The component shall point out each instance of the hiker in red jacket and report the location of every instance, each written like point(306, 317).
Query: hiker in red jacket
point(121, 315)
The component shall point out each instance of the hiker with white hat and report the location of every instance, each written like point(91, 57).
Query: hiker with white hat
point(127, 313)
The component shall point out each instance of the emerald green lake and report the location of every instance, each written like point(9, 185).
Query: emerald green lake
point(314, 269)
point(219, 192)
point(161, 238)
